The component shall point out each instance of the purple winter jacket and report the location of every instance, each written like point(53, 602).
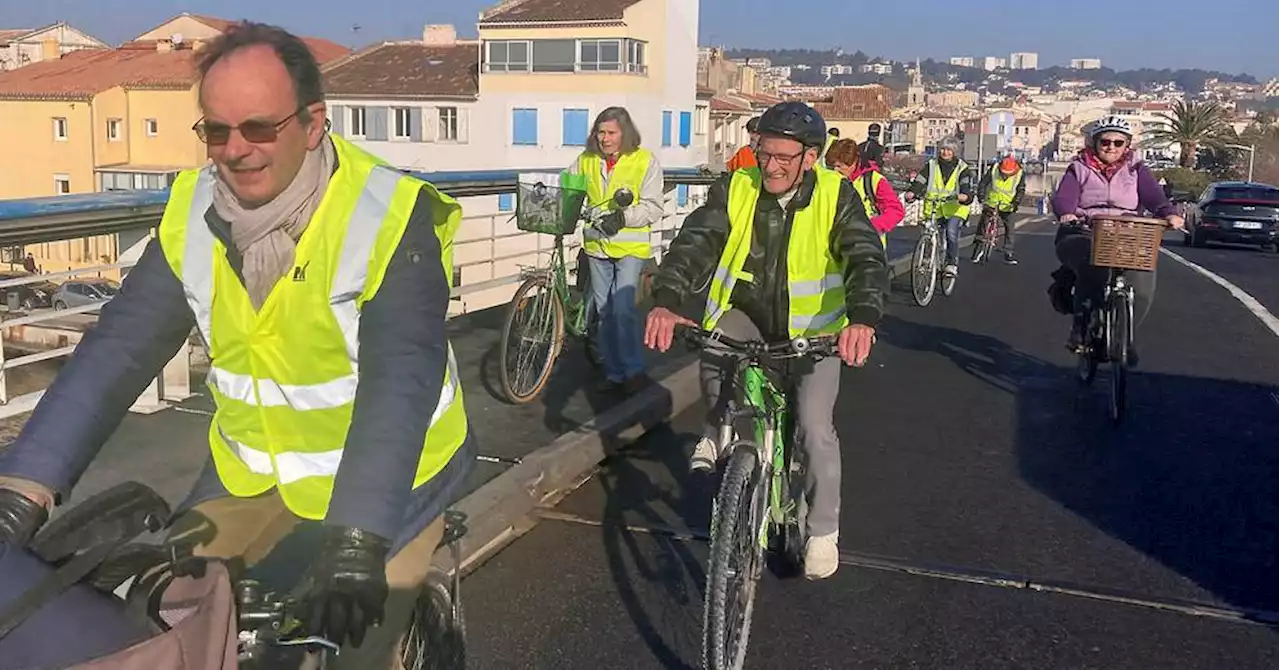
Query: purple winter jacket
point(1083, 190)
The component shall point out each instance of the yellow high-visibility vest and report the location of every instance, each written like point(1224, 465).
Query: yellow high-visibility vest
point(1000, 195)
point(938, 190)
point(628, 172)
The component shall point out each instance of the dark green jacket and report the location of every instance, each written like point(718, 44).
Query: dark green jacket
point(696, 250)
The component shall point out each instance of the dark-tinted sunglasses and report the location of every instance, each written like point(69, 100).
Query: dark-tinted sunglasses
point(1112, 143)
point(256, 132)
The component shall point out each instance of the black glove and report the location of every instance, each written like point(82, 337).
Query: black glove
point(20, 518)
point(612, 223)
point(345, 589)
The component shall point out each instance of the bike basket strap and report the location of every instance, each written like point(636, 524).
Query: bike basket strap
point(550, 203)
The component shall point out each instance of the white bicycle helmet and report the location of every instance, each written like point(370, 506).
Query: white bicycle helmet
point(1110, 123)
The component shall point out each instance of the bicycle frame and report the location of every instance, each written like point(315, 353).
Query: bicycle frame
point(557, 274)
point(760, 398)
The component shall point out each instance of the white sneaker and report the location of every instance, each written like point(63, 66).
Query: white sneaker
point(821, 556)
point(705, 455)
point(951, 270)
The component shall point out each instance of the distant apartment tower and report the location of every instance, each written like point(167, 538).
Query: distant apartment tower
point(962, 61)
point(1024, 60)
point(877, 68)
point(993, 62)
point(1086, 64)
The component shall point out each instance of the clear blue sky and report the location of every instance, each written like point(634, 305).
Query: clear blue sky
point(1228, 35)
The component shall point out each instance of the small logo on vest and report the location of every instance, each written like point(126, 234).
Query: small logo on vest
point(300, 271)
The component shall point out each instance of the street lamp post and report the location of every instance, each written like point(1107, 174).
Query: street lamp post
point(1248, 148)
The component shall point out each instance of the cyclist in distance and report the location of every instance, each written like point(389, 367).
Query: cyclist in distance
point(790, 252)
point(947, 184)
point(1002, 188)
point(1105, 178)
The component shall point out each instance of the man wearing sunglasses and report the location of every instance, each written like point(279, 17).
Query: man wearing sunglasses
point(789, 252)
point(1106, 178)
point(318, 278)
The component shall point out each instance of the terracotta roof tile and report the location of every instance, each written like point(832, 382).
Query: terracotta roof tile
point(13, 34)
point(407, 69)
point(81, 74)
point(856, 102)
point(722, 103)
point(556, 11)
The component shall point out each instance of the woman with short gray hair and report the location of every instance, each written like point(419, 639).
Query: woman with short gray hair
point(618, 245)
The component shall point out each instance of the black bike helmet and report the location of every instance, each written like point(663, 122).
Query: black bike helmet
point(794, 120)
point(753, 125)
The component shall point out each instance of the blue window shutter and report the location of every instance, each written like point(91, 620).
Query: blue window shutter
point(415, 124)
point(575, 128)
point(505, 202)
point(682, 195)
point(666, 129)
point(686, 128)
point(338, 117)
point(524, 126)
point(376, 118)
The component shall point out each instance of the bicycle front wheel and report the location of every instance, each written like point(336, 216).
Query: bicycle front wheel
point(1119, 333)
point(736, 559)
point(924, 268)
point(531, 339)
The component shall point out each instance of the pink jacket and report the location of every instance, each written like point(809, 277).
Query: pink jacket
point(888, 205)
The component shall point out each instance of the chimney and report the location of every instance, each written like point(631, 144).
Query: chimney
point(439, 35)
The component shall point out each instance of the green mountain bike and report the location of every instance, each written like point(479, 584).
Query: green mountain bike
point(761, 504)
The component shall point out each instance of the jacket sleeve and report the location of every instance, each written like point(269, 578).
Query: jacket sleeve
point(1067, 198)
point(890, 207)
point(648, 208)
point(866, 270)
point(984, 186)
point(696, 249)
point(1152, 195)
point(1020, 192)
point(966, 183)
point(138, 332)
point(920, 183)
point(403, 348)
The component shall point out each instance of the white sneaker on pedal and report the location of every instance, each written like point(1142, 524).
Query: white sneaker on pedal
point(705, 455)
point(951, 270)
point(821, 556)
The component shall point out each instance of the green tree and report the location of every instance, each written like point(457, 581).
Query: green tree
point(1193, 125)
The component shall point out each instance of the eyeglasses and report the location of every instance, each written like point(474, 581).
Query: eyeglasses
point(256, 132)
point(1112, 143)
point(784, 160)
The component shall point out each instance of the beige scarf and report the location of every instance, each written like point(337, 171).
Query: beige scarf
point(267, 235)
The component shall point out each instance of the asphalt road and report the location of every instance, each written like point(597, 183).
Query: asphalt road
point(970, 452)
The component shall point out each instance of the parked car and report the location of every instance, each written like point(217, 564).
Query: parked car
point(28, 296)
point(1234, 211)
point(77, 292)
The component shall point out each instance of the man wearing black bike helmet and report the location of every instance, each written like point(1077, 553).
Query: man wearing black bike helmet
point(789, 252)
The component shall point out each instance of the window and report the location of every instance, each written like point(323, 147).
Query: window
point(356, 126)
point(1002, 129)
point(524, 127)
point(554, 55)
point(506, 202)
point(682, 195)
point(686, 128)
point(60, 129)
point(151, 127)
point(403, 122)
point(635, 57)
point(700, 121)
point(61, 184)
point(576, 127)
point(666, 129)
point(113, 130)
point(507, 56)
point(600, 55)
point(448, 124)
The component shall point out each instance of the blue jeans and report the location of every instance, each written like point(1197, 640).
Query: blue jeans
point(614, 282)
point(952, 229)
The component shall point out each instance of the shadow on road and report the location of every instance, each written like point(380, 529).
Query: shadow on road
point(985, 357)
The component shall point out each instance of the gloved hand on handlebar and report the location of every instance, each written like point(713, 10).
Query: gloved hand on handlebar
point(344, 590)
point(20, 518)
point(612, 223)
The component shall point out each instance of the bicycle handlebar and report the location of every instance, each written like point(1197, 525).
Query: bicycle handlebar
point(264, 623)
point(818, 347)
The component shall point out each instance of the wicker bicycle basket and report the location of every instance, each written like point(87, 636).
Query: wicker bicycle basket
point(1130, 243)
point(551, 206)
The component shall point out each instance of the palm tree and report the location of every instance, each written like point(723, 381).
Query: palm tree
point(1192, 125)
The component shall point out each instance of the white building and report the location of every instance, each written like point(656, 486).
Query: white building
point(836, 69)
point(1024, 60)
point(994, 62)
point(1086, 64)
point(23, 46)
point(877, 68)
point(962, 61)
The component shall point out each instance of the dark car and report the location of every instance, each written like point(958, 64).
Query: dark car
point(1234, 211)
point(27, 296)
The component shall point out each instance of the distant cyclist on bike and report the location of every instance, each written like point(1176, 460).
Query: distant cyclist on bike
point(1106, 178)
point(789, 251)
point(878, 197)
point(1001, 189)
point(946, 184)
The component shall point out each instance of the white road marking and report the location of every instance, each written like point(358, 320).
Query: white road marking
point(1267, 318)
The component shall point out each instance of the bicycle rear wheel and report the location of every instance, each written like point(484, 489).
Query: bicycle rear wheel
point(924, 268)
point(736, 559)
point(1119, 335)
point(531, 339)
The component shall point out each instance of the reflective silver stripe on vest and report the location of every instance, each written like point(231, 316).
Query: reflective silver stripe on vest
point(591, 233)
point(271, 393)
point(289, 466)
point(197, 254)
point(817, 321)
point(727, 282)
point(815, 286)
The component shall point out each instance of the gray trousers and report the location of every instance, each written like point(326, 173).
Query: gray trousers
point(815, 405)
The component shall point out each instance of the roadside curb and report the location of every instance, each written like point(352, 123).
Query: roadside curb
point(501, 510)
